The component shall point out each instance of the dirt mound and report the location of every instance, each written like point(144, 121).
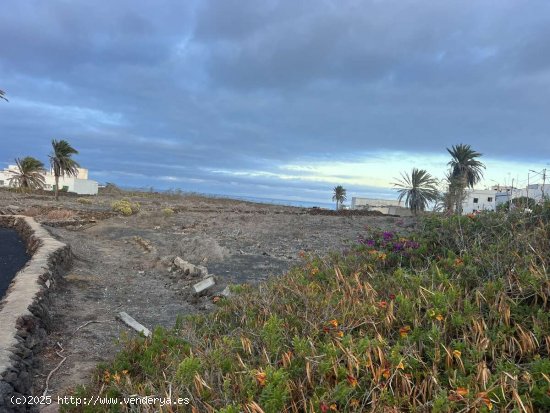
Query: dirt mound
point(198, 249)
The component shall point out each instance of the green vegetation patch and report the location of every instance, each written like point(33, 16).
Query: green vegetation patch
point(454, 318)
point(125, 207)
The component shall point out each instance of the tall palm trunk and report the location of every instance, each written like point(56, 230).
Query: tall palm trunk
point(463, 184)
point(56, 187)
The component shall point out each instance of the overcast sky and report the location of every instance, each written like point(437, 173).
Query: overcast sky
point(280, 99)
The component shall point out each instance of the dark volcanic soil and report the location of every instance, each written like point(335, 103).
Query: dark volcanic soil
point(124, 263)
point(13, 256)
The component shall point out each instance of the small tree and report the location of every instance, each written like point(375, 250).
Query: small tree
point(419, 189)
point(29, 174)
point(339, 195)
point(62, 162)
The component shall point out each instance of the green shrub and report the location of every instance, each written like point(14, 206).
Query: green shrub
point(125, 207)
point(168, 212)
point(187, 370)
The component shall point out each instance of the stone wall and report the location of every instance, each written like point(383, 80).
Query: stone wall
point(24, 315)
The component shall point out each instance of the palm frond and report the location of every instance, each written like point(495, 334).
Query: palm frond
point(61, 161)
point(464, 164)
point(29, 174)
point(418, 189)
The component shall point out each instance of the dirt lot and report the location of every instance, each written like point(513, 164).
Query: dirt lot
point(125, 263)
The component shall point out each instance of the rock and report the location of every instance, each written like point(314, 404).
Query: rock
point(5, 390)
point(167, 261)
point(226, 292)
point(143, 243)
point(190, 269)
point(11, 377)
point(204, 285)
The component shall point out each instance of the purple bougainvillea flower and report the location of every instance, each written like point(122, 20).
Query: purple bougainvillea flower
point(398, 246)
point(387, 235)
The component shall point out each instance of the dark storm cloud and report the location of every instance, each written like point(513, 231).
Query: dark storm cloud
point(198, 87)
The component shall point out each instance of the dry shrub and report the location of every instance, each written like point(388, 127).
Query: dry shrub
point(84, 201)
point(60, 214)
point(32, 211)
point(168, 212)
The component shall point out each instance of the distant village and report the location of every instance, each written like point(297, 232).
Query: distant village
point(475, 200)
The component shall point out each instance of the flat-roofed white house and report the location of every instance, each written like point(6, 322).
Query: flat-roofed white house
point(79, 184)
point(537, 192)
point(385, 206)
point(478, 200)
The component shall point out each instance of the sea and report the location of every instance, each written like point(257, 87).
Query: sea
point(285, 202)
point(261, 200)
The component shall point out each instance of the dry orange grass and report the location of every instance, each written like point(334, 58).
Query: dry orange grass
point(32, 212)
point(60, 214)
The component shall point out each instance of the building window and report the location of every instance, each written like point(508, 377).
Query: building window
point(490, 199)
point(476, 200)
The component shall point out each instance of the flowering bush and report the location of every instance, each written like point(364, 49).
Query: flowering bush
point(388, 248)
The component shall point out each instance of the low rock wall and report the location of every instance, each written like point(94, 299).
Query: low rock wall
point(24, 314)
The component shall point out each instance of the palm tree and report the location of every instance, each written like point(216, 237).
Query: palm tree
point(3, 95)
point(29, 174)
point(62, 163)
point(466, 170)
point(339, 195)
point(419, 189)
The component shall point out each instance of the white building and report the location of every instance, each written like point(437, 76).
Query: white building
point(80, 184)
point(477, 200)
point(489, 199)
point(385, 206)
point(537, 192)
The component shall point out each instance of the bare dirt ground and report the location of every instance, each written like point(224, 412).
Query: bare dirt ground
point(125, 263)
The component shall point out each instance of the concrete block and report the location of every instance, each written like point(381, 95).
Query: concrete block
point(131, 322)
point(226, 292)
point(204, 285)
point(190, 269)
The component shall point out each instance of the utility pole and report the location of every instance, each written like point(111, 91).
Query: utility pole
point(527, 188)
point(511, 196)
point(543, 173)
point(543, 182)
